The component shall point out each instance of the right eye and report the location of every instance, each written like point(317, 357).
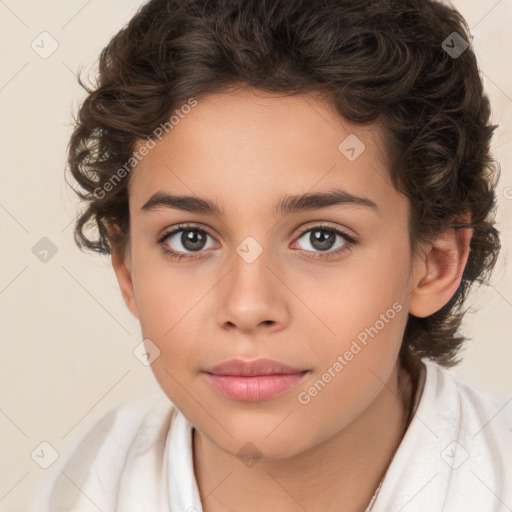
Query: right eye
point(184, 241)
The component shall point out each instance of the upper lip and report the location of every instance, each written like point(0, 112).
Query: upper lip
point(253, 368)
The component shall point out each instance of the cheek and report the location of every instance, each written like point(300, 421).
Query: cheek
point(352, 294)
point(164, 292)
point(168, 312)
point(366, 319)
point(171, 303)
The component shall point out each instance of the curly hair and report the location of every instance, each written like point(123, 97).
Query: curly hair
point(382, 61)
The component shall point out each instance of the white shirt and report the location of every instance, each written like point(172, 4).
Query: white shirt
point(456, 456)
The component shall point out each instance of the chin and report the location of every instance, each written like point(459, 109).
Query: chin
point(254, 439)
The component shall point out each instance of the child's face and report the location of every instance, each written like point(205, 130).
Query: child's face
point(246, 152)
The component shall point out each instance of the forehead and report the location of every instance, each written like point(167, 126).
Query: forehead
point(253, 146)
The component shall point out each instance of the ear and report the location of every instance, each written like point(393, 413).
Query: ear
point(122, 267)
point(439, 272)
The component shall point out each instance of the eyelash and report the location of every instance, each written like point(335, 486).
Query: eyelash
point(347, 246)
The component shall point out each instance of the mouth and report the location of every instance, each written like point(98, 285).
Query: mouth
point(254, 381)
point(255, 368)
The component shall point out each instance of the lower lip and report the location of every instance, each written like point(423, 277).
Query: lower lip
point(254, 389)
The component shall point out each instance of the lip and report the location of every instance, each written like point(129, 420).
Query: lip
point(254, 381)
point(256, 367)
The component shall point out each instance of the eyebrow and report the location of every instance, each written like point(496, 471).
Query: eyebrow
point(287, 204)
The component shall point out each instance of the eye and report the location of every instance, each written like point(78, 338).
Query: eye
point(184, 241)
point(190, 242)
point(325, 239)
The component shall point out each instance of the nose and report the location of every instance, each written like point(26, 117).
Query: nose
point(253, 298)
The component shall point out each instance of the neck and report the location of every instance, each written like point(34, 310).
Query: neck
point(343, 471)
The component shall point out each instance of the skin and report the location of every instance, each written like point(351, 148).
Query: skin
point(333, 451)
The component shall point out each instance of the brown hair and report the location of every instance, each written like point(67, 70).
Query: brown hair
point(374, 60)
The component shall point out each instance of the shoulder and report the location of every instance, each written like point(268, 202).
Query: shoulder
point(476, 406)
point(93, 463)
point(456, 449)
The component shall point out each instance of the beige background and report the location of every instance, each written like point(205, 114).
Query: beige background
point(67, 337)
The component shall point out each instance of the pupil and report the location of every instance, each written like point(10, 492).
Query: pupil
point(192, 240)
point(322, 242)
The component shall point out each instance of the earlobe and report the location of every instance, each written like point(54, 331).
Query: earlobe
point(441, 272)
point(121, 266)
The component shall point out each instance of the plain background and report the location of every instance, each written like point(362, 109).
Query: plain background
point(67, 337)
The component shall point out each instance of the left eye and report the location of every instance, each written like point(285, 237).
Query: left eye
point(324, 239)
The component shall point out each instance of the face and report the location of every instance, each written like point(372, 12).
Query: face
point(320, 286)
